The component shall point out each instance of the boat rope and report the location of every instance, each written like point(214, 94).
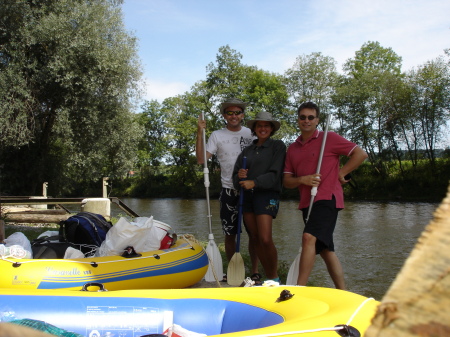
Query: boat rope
point(89, 260)
point(358, 309)
point(188, 237)
point(334, 328)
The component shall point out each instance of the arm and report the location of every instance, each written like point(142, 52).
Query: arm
point(237, 172)
point(199, 143)
point(290, 181)
point(356, 158)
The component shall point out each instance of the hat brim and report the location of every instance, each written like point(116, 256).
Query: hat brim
point(223, 106)
point(276, 125)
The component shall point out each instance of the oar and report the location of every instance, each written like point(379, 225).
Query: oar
point(215, 267)
point(236, 267)
point(319, 164)
point(294, 269)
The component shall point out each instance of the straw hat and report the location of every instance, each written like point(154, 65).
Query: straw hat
point(232, 102)
point(266, 117)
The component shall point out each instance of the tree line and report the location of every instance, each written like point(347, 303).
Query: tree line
point(70, 78)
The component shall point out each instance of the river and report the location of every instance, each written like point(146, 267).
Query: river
point(372, 239)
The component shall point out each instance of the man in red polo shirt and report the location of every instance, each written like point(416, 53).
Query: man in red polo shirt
point(300, 171)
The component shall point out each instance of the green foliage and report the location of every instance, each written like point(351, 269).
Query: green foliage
point(69, 73)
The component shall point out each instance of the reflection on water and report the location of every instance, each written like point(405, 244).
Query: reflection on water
point(372, 239)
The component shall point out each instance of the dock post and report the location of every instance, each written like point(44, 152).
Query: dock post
point(105, 185)
point(2, 231)
point(44, 189)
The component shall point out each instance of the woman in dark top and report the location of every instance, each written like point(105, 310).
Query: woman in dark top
point(262, 183)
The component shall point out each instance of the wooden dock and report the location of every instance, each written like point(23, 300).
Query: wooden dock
point(55, 212)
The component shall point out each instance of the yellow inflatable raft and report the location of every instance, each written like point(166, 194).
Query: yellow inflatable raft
point(180, 266)
point(240, 311)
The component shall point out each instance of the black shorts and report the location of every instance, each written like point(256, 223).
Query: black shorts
point(261, 202)
point(321, 223)
point(229, 200)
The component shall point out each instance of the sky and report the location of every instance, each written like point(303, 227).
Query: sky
point(179, 38)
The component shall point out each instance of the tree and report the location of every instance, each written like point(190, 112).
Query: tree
point(312, 78)
point(69, 73)
point(181, 115)
point(431, 100)
point(363, 110)
point(228, 77)
point(153, 147)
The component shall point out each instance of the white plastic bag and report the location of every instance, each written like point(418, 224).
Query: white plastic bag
point(18, 241)
point(14, 251)
point(178, 331)
point(140, 234)
point(73, 253)
point(49, 234)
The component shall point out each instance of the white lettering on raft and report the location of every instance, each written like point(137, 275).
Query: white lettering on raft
point(73, 272)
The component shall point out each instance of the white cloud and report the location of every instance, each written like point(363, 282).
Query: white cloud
point(161, 90)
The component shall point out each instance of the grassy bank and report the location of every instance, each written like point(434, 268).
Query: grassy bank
point(387, 181)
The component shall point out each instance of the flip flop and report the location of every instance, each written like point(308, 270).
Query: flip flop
point(256, 277)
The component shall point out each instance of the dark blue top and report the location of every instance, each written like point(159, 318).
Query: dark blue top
point(265, 165)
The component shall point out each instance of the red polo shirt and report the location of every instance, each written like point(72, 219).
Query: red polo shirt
point(302, 159)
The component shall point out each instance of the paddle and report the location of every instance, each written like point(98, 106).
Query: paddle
point(294, 269)
point(236, 267)
point(215, 267)
point(319, 164)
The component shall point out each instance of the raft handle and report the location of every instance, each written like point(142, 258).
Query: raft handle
point(347, 331)
point(93, 284)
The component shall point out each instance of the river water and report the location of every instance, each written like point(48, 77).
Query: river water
point(372, 239)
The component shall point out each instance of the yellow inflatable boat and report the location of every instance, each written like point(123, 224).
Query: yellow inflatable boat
point(180, 266)
point(240, 311)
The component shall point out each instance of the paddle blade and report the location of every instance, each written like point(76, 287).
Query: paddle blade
point(236, 270)
point(293, 271)
point(215, 267)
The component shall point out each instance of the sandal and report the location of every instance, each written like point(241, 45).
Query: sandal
point(256, 277)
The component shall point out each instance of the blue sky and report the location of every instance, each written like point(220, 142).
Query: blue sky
point(179, 38)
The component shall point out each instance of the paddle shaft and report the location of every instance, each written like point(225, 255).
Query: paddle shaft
point(241, 201)
point(206, 176)
point(319, 164)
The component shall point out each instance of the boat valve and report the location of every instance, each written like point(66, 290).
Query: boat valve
point(285, 295)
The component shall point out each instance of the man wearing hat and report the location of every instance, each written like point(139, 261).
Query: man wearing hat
point(262, 184)
point(227, 143)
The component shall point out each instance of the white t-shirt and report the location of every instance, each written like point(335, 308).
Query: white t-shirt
point(227, 145)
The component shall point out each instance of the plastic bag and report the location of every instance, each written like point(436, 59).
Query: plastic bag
point(20, 246)
point(14, 251)
point(49, 234)
point(140, 234)
point(178, 331)
point(72, 253)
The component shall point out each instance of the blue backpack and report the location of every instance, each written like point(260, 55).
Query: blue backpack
point(84, 228)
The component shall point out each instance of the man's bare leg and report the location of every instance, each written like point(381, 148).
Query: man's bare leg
point(307, 258)
point(334, 268)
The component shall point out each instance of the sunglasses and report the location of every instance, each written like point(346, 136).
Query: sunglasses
point(231, 113)
point(303, 117)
